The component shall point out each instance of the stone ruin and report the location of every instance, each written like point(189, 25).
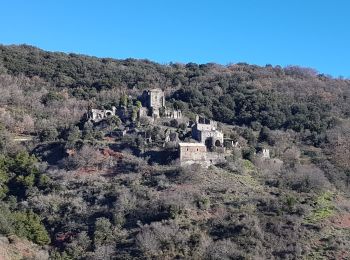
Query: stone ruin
point(203, 130)
point(171, 113)
point(154, 105)
point(209, 137)
point(154, 101)
point(265, 153)
point(97, 115)
point(196, 153)
point(206, 132)
point(171, 140)
point(231, 144)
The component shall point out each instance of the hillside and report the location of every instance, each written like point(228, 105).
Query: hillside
point(83, 188)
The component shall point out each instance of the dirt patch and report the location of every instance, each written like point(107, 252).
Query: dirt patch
point(341, 221)
point(17, 248)
point(107, 152)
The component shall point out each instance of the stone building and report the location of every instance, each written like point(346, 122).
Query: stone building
point(205, 131)
point(155, 98)
point(196, 153)
point(190, 153)
point(154, 105)
point(97, 115)
point(155, 101)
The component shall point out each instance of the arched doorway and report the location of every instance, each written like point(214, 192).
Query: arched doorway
point(208, 142)
point(217, 143)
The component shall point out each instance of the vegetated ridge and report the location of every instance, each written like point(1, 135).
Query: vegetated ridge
point(82, 190)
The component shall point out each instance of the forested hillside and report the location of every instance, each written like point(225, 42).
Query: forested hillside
point(80, 192)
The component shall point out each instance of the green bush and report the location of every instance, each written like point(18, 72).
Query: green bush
point(23, 224)
point(28, 225)
point(26, 173)
point(248, 153)
point(48, 135)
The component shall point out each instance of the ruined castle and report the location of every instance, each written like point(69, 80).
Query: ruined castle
point(153, 106)
point(209, 148)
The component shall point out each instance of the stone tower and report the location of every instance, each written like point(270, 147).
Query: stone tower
point(155, 100)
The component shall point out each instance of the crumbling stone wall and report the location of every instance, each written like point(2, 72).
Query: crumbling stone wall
point(215, 158)
point(97, 115)
point(176, 114)
point(265, 153)
point(205, 131)
point(212, 138)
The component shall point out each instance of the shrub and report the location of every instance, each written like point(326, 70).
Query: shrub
point(26, 173)
point(248, 153)
point(224, 250)
point(174, 123)
point(305, 178)
point(48, 134)
point(28, 224)
point(203, 203)
point(103, 233)
point(324, 208)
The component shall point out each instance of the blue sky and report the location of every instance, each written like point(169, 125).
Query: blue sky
point(311, 33)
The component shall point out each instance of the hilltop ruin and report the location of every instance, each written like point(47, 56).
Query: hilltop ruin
point(206, 145)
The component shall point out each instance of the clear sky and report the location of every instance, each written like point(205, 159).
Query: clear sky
point(311, 33)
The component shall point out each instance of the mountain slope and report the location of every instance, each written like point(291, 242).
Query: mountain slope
point(93, 194)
